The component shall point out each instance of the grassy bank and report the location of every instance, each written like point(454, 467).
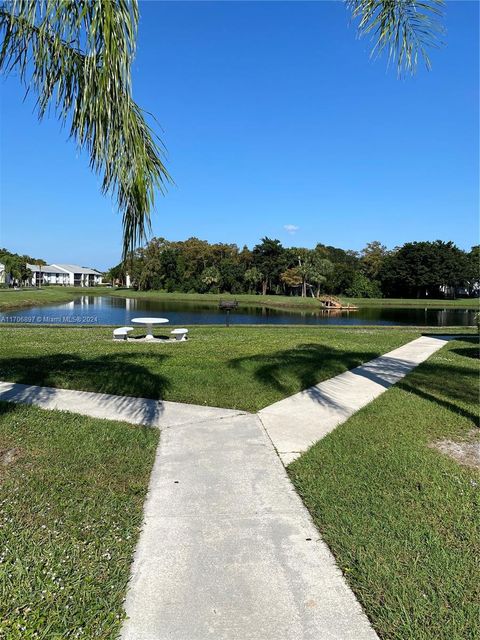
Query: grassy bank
point(71, 497)
point(22, 298)
point(291, 302)
point(212, 299)
point(10, 299)
point(414, 303)
point(241, 367)
point(401, 517)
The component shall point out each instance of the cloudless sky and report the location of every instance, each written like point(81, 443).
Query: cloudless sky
point(273, 115)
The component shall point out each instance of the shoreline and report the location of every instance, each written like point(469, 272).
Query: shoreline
point(467, 330)
point(32, 298)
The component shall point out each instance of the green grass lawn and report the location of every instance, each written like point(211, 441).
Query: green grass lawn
point(403, 519)
point(400, 517)
point(241, 367)
point(71, 496)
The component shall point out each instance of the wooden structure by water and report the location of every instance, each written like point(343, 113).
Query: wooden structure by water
point(332, 303)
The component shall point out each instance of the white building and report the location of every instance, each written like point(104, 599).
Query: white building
point(461, 292)
point(4, 276)
point(71, 275)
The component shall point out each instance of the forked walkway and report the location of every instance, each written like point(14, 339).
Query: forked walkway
point(295, 423)
point(228, 551)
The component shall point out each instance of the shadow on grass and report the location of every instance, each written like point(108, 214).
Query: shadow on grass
point(117, 374)
point(468, 352)
point(307, 363)
point(310, 363)
point(429, 383)
point(7, 407)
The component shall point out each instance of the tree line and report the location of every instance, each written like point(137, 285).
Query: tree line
point(416, 269)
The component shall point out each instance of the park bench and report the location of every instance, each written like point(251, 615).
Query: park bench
point(179, 334)
point(121, 333)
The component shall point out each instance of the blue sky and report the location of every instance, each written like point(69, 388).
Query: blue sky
point(273, 115)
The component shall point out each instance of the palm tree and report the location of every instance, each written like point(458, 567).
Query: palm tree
point(253, 277)
point(76, 55)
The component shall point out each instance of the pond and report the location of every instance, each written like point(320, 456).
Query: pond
point(106, 310)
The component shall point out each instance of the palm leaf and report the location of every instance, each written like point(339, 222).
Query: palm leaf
point(405, 28)
point(76, 56)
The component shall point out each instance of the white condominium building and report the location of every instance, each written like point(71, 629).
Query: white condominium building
point(71, 275)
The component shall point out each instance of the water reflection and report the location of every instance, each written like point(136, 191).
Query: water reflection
point(89, 309)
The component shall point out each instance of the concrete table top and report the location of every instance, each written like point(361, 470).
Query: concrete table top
point(149, 322)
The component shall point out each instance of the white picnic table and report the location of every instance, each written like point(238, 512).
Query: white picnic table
point(149, 323)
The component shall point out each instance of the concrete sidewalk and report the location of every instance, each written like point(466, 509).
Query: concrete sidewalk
point(153, 413)
point(228, 551)
point(297, 422)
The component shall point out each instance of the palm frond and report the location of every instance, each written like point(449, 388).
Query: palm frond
point(77, 57)
point(405, 28)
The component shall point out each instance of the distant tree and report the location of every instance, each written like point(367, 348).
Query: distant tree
point(253, 277)
point(134, 266)
point(169, 265)
point(303, 268)
point(245, 258)
point(372, 257)
point(196, 257)
point(210, 277)
point(308, 269)
point(118, 273)
point(420, 269)
point(345, 265)
point(222, 251)
point(454, 267)
point(472, 271)
point(320, 270)
point(152, 274)
point(25, 274)
point(269, 258)
point(292, 277)
point(231, 275)
point(13, 268)
point(363, 287)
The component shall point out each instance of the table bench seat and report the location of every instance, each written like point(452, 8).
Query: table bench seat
point(180, 334)
point(121, 333)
